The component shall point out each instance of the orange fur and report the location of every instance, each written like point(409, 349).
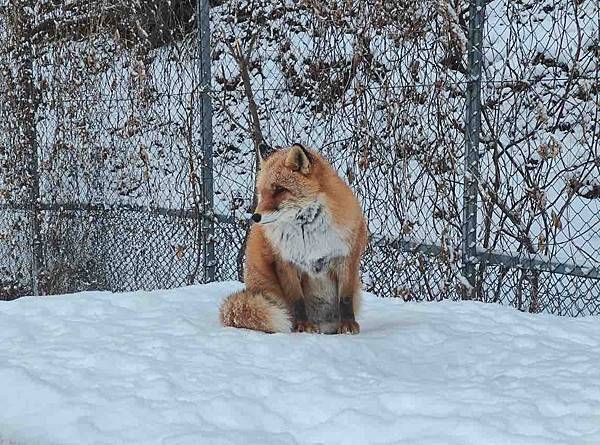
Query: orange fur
point(254, 311)
point(296, 176)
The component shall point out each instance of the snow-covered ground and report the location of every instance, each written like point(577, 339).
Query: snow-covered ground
point(157, 368)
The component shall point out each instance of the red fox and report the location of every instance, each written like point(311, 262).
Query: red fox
point(303, 252)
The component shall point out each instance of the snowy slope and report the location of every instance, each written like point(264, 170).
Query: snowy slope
point(156, 368)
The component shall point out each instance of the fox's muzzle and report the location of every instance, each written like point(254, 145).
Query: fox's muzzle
point(266, 218)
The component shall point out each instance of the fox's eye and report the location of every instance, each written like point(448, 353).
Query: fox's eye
point(278, 190)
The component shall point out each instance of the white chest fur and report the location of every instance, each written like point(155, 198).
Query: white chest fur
point(306, 236)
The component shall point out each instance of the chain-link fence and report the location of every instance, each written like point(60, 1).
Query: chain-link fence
point(469, 130)
point(539, 181)
point(101, 143)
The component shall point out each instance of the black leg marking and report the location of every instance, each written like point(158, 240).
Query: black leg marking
point(301, 323)
point(346, 308)
point(300, 310)
point(348, 324)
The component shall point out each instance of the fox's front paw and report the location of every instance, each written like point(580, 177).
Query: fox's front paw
point(348, 327)
point(306, 326)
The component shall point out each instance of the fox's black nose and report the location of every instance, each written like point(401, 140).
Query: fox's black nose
point(256, 217)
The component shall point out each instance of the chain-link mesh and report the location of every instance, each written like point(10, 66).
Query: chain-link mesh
point(540, 164)
point(380, 88)
point(101, 145)
point(15, 253)
point(377, 88)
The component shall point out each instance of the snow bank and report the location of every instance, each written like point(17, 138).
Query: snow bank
point(156, 368)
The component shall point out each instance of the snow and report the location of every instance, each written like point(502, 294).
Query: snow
point(157, 368)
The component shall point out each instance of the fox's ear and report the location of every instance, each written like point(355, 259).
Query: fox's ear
point(265, 150)
point(299, 159)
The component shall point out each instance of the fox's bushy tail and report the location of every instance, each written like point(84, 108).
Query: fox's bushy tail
point(254, 310)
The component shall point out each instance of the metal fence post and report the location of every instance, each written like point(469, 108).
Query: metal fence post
point(36, 217)
point(472, 133)
point(208, 220)
point(27, 106)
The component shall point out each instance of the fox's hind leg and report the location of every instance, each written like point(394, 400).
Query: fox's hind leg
point(349, 289)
